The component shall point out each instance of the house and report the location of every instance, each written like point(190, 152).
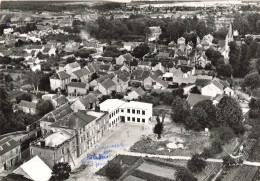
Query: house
point(71, 67)
point(59, 100)
point(202, 82)
point(154, 82)
point(212, 89)
point(92, 67)
point(184, 81)
point(193, 99)
point(55, 147)
point(82, 75)
point(49, 51)
point(144, 65)
point(121, 81)
point(59, 80)
point(129, 46)
point(108, 68)
point(162, 56)
point(139, 76)
point(229, 91)
point(106, 87)
point(187, 70)
point(159, 66)
point(89, 127)
point(10, 151)
point(35, 169)
point(77, 88)
point(122, 59)
point(36, 67)
point(84, 103)
point(71, 47)
point(135, 94)
point(27, 107)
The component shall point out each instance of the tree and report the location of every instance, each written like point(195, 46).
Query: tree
point(206, 153)
point(195, 90)
point(141, 50)
point(180, 110)
point(182, 174)
point(34, 78)
point(196, 164)
point(234, 58)
point(44, 107)
point(225, 70)
point(61, 171)
point(224, 133)
point(228, 161)
point(252, 81)
point(158, 128)
point(113, 170)
point(216, 147)
point(203, 115)
point(111, 51)
point(201, 29)
point(24, 96)
point(229, 113)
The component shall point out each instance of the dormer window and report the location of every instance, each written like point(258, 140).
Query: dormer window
point(7, 143)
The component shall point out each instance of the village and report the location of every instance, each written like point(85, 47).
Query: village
point(131, 91)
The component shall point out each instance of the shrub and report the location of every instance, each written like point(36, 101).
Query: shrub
point(228, 161)
point(254, 113)
point(24, 96)
point(207, 153)
point(196, 164)
point(224, 133)
point(183, 174)
point(216, 147)
point(113, 170)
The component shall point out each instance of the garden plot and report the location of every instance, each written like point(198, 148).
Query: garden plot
point(160, 171)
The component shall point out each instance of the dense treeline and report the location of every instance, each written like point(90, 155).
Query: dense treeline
point(247, 23)
point(41, 6)
point(108, 6)
point(138, 25)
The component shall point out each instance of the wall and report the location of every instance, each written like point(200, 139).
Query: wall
point(10, 158)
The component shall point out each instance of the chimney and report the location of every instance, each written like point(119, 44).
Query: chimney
point(43, 143)
point(77, 123)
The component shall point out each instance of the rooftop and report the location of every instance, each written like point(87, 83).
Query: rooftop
point(111, 104)
point(193, 99)
point(55, 139)
point(27, 104)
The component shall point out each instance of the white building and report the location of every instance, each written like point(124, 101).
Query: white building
point(129, 112)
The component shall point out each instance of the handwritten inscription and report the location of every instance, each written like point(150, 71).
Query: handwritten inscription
point(101, 159)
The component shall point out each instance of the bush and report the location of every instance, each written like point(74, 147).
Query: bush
point(216, 147)
point(183, 174)
point(207, 153)
point(113, 170)
point(196, 164)
point(224, 133)
point(254, 113)
point(24, 96)
point(228, 161)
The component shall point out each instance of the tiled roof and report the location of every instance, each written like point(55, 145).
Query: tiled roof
point(77, 84)
point(128, 57)
point(61, 99)
point(107, 83)
point(185, 69)
point(61, 111)
point(85, 102)
point(74, 65)
point(63, 75)
point(81, 72)
point(158, 72)
point(105, 66)
point(196, 98)
point(140, 91)
point(91, 98)
point(217, 84)
point(7, 144)
point(144, 63)
point(140, 75)
point(27, 104)
point(202, 82)
point(160, 81)
point(46, 50)
point(74, 121)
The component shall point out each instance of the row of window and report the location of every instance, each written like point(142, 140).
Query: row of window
point(135, 119)
point(136, 111)
point(113, 113)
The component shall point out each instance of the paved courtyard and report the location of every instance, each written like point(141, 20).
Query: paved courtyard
point(124, 135)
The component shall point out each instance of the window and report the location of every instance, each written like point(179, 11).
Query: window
point(7, 143)
point(62, 150)
point(138, 111)
point(138, 120)
point(109, 116)
point(143, 120)
point(128, 110)
point(122, 110)
point(84, 137)
point(31, 151)
point(81, 139)
point(133, 111)
point(128, 118)
point(153, 83)
point(143, 112)
point(16, 150)
point(53, 156)
point(133, 119)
